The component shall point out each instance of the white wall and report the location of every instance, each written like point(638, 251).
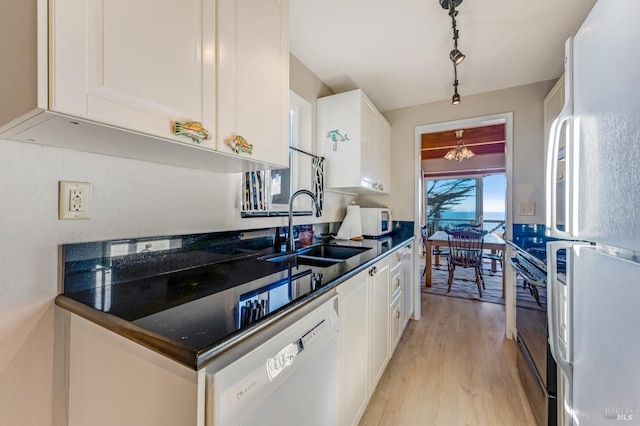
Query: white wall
point(130, 199)
point(526, 104)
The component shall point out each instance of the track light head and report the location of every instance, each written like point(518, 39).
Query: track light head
point(456, 56)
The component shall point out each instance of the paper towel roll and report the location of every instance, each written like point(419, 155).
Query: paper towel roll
point(351, 227)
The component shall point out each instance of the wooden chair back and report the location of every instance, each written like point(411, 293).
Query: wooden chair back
point(465, 248)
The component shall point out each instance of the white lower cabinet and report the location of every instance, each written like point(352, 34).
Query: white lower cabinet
point(407, 283)
point(379, 320)
point(395, 323)
point(114, 381)
point(396, 300)
point(353, 349)
point(373, 313)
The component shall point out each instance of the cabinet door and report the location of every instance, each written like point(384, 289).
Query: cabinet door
point(383, 134)
point(397, 282)
point(136, 64)
point(379, 287)
point(353, 347)
point(368, 144)
point(395, 322)
point(552, 106)
point(408, 289)
point(253, 89)
point(339, 125)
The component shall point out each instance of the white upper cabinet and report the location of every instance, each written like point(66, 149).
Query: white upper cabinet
point(354, 138)
point(253, 76)
point(552, 105)
point(120, 74)
point(383, 146)
point(137, 64)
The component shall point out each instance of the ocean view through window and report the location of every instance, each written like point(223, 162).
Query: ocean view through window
point(467, 200)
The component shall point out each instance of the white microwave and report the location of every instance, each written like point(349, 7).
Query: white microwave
point(375, 221)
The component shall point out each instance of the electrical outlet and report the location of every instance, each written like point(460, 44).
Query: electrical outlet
point(74, 200)
point(527, 209)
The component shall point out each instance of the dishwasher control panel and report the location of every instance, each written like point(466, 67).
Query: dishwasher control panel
point(284, 358)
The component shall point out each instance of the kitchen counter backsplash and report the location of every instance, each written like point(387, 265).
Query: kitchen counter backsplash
point(531, 238)
point(96, 264)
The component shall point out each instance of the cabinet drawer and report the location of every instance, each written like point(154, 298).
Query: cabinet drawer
point(395, 322)
point(396, 284)
point(395, 259)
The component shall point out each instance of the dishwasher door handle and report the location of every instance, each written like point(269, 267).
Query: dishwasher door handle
point(283, 359)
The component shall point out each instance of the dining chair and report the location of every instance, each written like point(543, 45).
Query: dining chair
point(497, 256)
point(465, 251)
point(424, 234)
point(428, 230)
point(465, 227)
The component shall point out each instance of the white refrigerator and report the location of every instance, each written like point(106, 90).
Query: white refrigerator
point(594, 307)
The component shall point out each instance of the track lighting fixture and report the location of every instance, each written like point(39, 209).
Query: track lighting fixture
point(455, 55)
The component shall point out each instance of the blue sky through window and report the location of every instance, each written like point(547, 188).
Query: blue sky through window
point(494, 195)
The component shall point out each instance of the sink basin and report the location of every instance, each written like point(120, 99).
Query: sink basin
point(294, 259)
point(321, 255)
point(330, 251)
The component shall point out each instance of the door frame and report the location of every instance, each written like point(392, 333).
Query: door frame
point(487, 120)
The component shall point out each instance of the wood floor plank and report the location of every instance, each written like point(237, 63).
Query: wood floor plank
point(452, 367)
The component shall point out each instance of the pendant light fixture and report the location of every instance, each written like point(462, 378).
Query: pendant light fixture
point(460, 152)
point(455, 55)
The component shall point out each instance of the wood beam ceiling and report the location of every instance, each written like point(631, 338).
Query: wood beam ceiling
point(481, 140)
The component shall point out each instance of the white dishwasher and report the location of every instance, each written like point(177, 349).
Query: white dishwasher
point(285, 375)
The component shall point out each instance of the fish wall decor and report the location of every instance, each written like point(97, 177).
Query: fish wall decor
point(336, 137)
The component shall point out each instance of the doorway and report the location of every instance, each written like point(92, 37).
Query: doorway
point(505, 119)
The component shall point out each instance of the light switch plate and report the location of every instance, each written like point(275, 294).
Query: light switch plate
point(527, 209)
point(74, 200)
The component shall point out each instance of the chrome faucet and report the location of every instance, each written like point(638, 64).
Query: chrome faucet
point(291, 245)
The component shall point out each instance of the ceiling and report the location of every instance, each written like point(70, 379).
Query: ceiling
point(480, 140)
point(398, 51)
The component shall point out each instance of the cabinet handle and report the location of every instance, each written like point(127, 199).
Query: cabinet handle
point(238, 144)
point(398, 256)
point(397, 282)
point(191, 129)
point(380, 187)
point(398, 314)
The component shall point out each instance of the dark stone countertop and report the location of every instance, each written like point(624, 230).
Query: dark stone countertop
point(191, 316)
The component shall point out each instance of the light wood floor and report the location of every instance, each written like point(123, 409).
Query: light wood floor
point(452, 367)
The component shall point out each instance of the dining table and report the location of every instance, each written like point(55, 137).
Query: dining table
point(439, 239)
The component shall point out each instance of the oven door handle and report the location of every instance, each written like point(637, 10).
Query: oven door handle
point(525, 274)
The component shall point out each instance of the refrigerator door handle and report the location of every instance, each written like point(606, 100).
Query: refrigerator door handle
point(552, 304)
point(552, 156)
point(566, 400)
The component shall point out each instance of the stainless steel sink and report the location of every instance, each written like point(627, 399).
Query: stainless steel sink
point(330, 251)
point(294, 259)
point(322, 255)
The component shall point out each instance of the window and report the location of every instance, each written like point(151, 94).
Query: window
point(266, 193)
point(467, 200)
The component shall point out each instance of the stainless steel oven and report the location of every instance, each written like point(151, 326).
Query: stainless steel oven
point(536, 367)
